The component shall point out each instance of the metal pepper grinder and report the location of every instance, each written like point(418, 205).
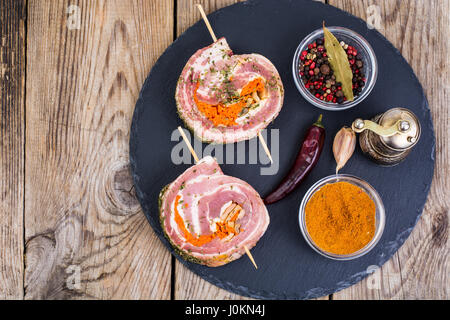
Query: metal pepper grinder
point(389, 137)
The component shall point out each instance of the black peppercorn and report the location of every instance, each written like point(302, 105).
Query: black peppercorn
point(325, 69)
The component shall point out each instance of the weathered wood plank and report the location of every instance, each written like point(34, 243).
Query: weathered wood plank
point(419, 29)
point(12, 134)
point(86, 236)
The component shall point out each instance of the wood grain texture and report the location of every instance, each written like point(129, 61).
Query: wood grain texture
point(12, 132)
point(420, 269)
point(86, 236)
point(65, 187)
point(187, 284)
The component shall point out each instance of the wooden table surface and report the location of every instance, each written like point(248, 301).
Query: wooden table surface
point(70, 225)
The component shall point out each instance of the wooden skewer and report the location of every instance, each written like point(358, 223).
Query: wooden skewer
point(213, 36)
point(266, 149)
point(250, 256)
point(188, 143)
point(208, 25)
point(236, 208)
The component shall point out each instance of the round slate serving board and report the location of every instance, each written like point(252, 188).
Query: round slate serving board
point(288, 267)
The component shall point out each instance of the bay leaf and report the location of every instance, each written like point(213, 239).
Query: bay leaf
point(339, 63)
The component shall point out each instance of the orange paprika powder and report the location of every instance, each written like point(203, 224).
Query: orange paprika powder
point(340, 218)
point(226, 115)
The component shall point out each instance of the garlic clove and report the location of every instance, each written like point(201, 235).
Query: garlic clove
point(343, 147)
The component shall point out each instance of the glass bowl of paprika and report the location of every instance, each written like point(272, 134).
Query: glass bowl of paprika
point(342, 217)
point(313, 75)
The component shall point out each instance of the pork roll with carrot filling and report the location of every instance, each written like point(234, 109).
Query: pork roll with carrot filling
point(209, 217)
point(226, 98)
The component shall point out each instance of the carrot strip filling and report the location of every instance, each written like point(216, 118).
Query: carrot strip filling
point(226, 114)
point(223, 229)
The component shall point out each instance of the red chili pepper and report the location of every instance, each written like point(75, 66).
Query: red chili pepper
point(306, 160)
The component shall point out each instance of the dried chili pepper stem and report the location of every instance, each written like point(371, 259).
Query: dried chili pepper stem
point(318, 123)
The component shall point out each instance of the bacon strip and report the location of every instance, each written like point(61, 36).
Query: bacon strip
point(209, 217)
point(213, 76)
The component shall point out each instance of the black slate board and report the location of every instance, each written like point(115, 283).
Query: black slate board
point(288, 268)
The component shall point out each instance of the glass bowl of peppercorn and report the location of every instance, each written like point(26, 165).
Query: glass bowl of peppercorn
point(342, 217)
point(315, 78)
